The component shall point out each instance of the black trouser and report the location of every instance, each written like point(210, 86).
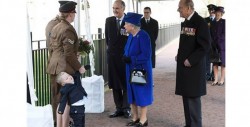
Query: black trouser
point(192, 110)
point(121, 99)
point(208, 67)
point(77, 113)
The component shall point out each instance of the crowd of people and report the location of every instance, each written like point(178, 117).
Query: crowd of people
point(131, 41)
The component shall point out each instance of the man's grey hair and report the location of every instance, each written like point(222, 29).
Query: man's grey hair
point(121, 2)
point(189, 3)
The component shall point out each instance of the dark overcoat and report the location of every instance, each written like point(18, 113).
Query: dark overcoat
point(152, 29)
point(138, 48)
point(194, 44)
point(218, 31)
point(115, 49)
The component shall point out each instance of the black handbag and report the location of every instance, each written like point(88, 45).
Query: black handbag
point(138, 76)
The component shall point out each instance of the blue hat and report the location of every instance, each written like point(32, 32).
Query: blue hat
point(68, 7)
point(133, 18)
point(211, 7)
point(220, 8)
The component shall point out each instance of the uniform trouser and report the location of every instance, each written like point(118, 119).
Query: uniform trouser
point(153, 59)
point(55, 95)
point(121, 99)
point(208, 66)
point(192, 111)
point(77, 113)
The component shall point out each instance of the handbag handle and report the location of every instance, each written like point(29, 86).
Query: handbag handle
point(139, 65)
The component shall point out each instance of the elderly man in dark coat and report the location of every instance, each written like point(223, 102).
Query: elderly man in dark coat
point(191, 59)
point(116, 39)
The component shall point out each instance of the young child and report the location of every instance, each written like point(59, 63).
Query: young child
point(74, 94)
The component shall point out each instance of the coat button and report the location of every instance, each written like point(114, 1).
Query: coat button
point(75, 111)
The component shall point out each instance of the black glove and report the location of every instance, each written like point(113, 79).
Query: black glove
point(87, 67)
point(126, 59)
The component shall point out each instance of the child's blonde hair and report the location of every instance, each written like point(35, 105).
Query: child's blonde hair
point(59, 77)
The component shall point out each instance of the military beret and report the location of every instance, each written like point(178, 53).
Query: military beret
point(68, 7)
point(211, 7)
point(133, 18)
point(61, 2)
point(220, 8)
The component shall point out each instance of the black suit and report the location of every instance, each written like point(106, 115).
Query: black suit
point(116, 67)
point(152, 29)
point(191, 81)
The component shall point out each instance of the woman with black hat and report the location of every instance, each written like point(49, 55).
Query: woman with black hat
point(138, 54)
point(218, 31)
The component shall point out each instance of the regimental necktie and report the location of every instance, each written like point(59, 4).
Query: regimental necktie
point(118, 25)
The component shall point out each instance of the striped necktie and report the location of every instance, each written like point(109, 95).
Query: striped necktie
point(118, 24)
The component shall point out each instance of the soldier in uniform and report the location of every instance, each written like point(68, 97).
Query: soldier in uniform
point(194, 44)
point(48, 29)
point(209, 19)
point(64, 47)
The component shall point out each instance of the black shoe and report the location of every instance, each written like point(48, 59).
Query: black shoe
point(221, 84)
point(212, 79)
point(142, 125)
point(71, 124)
point(215, 83)
point(133, 123)
point(127, 114)
point(116, 114)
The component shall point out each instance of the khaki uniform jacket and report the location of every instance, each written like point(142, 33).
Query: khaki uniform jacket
point(64, 46)
point(48, 29)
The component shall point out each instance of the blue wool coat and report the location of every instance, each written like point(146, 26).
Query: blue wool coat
point(138, 48)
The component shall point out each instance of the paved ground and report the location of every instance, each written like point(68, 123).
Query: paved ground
point(167, 109)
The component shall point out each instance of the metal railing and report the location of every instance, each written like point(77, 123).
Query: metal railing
point(40, 56)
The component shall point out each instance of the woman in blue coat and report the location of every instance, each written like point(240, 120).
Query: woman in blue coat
point(138, 55)
point(218, 30)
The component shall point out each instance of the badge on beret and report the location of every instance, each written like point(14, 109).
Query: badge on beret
point(70, 41)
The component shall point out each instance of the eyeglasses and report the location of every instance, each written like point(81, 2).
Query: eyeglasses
point(147, 12)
